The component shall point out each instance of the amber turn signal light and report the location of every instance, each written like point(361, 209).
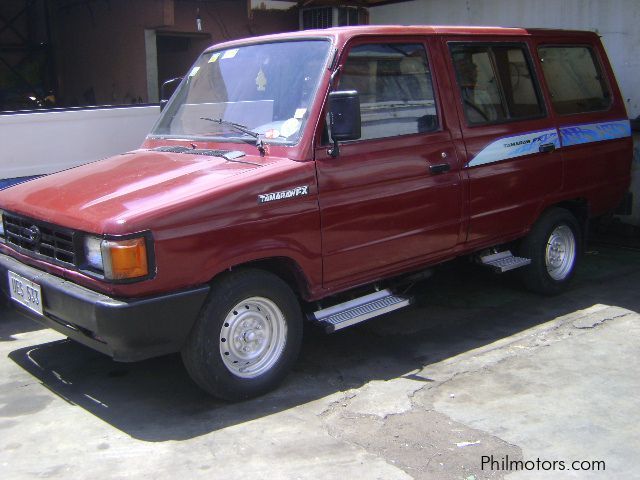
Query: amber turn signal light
point(125, 259)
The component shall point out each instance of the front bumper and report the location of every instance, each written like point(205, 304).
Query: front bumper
point(127, 330)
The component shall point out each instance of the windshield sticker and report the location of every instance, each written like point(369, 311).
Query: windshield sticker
point(272, 133)
point(289, 127)
point(194, 71)
point(294, 192)
point(300, 113)
point(214, 57)
point(261, 81)
point(230, 53)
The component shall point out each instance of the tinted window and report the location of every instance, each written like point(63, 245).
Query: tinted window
point(394, 83)
point(575, 80)
point(496, 83)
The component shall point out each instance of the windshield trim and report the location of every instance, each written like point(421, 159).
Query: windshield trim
point(328, 61)
point(231, 45)
point(216, 138)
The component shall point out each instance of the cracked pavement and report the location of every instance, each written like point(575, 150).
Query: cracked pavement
point(477, 368)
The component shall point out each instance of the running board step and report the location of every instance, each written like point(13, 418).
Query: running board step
point(358, 310)
point(504, 261)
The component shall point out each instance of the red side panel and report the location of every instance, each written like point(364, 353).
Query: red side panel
point(597, 148)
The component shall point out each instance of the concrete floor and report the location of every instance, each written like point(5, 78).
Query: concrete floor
point(479, 368)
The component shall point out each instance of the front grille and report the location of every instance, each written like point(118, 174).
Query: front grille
point(40, 238)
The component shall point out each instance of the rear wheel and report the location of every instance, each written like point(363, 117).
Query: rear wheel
point(247, 337)
point(554, 247)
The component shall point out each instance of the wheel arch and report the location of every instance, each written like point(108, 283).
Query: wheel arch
point(579, 208)
point(285, 268)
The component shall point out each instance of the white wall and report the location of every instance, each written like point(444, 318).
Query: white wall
point(45, 142)
point(617, 21)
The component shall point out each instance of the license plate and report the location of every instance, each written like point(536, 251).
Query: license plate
point(25, 292)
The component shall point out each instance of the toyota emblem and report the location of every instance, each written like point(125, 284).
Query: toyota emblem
point(32, 235)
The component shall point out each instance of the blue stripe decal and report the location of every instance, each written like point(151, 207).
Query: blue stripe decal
point(594, 132)
point(529, 143)
point(515, 146)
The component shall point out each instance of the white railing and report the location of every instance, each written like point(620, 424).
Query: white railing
point(41, 142)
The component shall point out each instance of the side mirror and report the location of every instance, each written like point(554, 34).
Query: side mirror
point(167, 89)
point(344, 118)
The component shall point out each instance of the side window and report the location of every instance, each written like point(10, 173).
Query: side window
point(496, 83)
point(575, 80)
point(394, 83)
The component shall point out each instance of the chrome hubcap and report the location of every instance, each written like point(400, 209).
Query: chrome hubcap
point(252, 337)
point(560, 252)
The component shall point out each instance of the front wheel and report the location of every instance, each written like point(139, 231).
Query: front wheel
point(247, 336)
point(554, 247)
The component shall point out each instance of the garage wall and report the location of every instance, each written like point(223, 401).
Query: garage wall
point(101, 51)
point(617, 21)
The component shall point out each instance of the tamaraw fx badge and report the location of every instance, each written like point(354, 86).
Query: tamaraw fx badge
point(293, 192)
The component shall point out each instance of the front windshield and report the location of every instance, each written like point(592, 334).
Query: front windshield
point(266, 87)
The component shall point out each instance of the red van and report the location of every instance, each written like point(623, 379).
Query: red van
point(307, 176)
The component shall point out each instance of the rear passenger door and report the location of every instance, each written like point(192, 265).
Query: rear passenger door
point(592, 122)
point(393, 198)
point(512, 164)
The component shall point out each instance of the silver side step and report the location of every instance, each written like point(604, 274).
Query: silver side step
point(504, 261)
point(358, 310)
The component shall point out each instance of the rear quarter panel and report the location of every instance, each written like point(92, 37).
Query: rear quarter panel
point(597, 148)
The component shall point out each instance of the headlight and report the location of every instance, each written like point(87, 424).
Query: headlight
point(117, 259)
point(93, 253)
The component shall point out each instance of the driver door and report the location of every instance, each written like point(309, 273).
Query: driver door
point(393, 198)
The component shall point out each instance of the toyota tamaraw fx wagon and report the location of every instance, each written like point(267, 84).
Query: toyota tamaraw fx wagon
point(305, 176)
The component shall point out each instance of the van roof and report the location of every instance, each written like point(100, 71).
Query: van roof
point(342, 34)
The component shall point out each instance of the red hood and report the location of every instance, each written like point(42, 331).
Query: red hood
point(101, 197)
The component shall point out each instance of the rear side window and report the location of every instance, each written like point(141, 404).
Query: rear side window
point(394, 84)
point(496, 83)
point(575, 79)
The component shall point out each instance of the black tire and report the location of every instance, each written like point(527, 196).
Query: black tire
point(269, 307)
point(554, 246)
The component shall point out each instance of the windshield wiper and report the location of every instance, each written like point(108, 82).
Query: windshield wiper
point(240, 128)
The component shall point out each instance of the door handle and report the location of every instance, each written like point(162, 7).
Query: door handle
point(547, 147)
point(439, 168)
